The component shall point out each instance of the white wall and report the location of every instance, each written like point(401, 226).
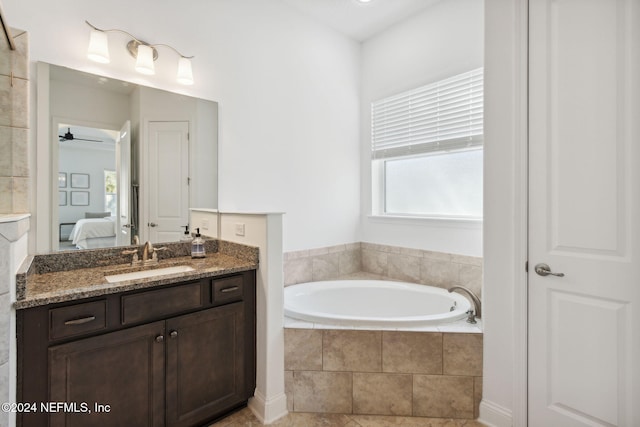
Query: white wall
point(92, 162)
point(287, 87)
point(444, 40)
point(106, 109)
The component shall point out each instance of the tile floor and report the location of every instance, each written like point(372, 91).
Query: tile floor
point(244, 418)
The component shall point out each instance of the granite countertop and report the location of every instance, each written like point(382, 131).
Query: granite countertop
point(43, 279)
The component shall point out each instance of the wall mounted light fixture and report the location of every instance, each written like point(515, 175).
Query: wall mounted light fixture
point(144, 53)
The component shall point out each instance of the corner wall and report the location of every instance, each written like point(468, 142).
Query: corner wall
point(505, 223)
point(264, 231)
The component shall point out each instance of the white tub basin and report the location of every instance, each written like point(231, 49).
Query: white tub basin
point(145, 274)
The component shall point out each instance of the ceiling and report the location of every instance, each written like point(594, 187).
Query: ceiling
point(81, 78)
point(357, 20)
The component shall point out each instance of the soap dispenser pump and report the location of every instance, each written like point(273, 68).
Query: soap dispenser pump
point(197, 246)
point(186, 237)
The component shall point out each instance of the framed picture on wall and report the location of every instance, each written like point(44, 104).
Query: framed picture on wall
point(62, 179)
point(79, 198)
point(62, 198)
point(79, 180)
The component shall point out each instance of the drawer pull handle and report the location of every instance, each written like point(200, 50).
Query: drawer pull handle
point(81, 321)
point(231, 289)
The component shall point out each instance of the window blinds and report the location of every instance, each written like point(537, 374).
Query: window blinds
point(445, 115)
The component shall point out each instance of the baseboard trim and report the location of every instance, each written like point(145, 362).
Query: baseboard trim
point(268, 411)
point(495, 415)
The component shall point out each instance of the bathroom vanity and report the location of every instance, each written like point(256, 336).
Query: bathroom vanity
point(174, 350)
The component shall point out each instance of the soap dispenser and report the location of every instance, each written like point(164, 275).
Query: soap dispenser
point(186, 237)
point(197, 246)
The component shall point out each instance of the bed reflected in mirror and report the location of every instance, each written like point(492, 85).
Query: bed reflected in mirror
point(89, 180)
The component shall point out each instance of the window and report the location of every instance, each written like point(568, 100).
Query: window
point(427, 150)
point(110, 192)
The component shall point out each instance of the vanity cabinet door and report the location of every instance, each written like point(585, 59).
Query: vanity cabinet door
point(205, 364)
point(124, 370)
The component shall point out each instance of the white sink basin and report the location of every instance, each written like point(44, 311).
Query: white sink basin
point(145, 274)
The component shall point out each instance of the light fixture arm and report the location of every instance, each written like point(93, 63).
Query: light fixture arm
point(172, 48)
point(143, 52)
point(137, 40)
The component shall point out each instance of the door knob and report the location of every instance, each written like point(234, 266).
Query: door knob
point(544, 270)
point(152, 224)
point(126, 225)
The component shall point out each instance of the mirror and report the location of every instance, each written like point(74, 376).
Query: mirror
point(126, 160)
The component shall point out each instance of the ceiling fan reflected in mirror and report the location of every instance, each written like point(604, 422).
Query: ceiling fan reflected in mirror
point(68, 136)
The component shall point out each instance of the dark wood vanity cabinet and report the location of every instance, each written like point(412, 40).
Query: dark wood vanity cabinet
point(205, 364)
point(123, 369)
point(141, 360)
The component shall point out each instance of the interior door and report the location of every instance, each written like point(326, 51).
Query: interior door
point(123, 179)
point(584, 213)
point(168, 182)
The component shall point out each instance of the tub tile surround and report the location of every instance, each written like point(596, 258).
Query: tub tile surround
point(420, 374)
point(321, 264)
point(429, 371)
point(388, 262)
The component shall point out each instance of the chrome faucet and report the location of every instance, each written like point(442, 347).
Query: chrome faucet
point(477, 305)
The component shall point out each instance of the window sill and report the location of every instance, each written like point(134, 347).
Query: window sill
point(472, 223)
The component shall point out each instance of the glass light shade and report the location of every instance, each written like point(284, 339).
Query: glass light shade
point(144, 61)
point(185, 74)
point(98, 47)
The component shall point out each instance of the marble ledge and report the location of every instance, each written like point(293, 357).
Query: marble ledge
point(459, 326)
point(13, 217)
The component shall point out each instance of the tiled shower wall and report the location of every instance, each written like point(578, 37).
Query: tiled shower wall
point(14, 124)
point(410, 265)
point(426, 374)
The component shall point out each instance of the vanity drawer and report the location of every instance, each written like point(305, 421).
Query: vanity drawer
point(77, 319)
point(157, 303)
point(227, 290)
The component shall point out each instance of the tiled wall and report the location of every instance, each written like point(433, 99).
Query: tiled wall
point(427, 374)
point(14, 195)
point(322, 264)
point(410, 265)
point(14, 120)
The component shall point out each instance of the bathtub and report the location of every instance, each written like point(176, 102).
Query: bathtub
point(373, 303)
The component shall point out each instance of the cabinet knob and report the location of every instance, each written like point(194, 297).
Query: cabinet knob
point(159, 338)
point(173, 334)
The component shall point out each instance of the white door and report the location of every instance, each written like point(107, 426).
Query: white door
point(168, 180)
point(123, 185)
point(584, 213)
